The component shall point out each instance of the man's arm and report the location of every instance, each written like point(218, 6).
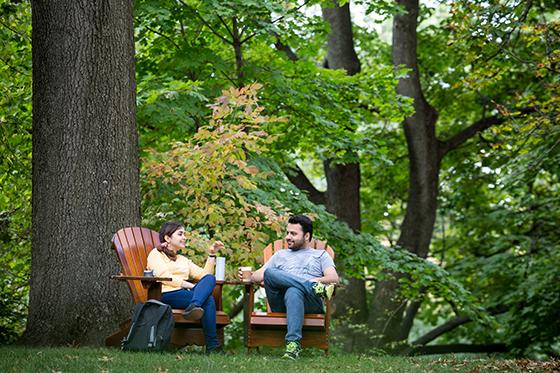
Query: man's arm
point(329, 276)
point(258, 275)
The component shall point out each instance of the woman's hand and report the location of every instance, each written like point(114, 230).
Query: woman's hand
point(215, 247)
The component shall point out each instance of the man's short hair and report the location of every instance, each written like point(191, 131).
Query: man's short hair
point(305, 222)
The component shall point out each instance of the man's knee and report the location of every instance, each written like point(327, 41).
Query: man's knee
point(270, 274)
point(293, 294)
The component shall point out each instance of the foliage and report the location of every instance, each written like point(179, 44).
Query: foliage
point(221, 186)
point(207, 179)
point(333, 115)
point(499, 194)
point(15, 166)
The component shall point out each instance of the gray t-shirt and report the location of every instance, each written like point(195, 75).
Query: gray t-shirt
point(305, 263)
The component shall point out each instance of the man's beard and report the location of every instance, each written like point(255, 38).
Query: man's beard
point(297, 246)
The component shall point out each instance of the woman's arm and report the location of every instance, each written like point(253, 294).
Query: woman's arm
point(196, 272)
point(161, 269)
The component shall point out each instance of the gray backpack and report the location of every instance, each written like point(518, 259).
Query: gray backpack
point(151, 328)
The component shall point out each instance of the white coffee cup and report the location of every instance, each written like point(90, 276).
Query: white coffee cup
point(220, 268)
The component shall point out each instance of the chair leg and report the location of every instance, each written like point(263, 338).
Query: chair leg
point(114, 340)
point(251, 350)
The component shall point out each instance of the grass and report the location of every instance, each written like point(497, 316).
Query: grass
point(87, 359)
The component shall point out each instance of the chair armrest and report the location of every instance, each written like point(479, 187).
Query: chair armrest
point(141, 278)
point(151, 283)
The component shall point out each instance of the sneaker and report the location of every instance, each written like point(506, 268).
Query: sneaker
point(193, 312)
point(219, 350)
point(322, 290)
point(293, 349)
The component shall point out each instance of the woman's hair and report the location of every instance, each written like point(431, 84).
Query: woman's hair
point(167, 229)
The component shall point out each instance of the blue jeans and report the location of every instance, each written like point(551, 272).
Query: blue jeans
point(292, 295)
point(201, 296)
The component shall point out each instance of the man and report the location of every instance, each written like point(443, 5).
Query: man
point(296, 279)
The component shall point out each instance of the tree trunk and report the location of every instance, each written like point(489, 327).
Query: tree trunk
point(343, 180)
point(340, 48)
point(237, 50)
point(388, 309)
point(85, 167)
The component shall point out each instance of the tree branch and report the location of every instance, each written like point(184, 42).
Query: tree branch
point(206, 23)
point(455, 141)
point(458, 347)
point(442, 329)
point(236, 308)
point(452, 324)
point(276, 20)
point(284, 48)
point(226, 27)
point(163, 36)
point(302, 182)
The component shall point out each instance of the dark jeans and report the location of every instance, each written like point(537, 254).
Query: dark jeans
point(201, 296)
point(293, 295)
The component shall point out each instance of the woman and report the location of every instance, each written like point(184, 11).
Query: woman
point(196, 299)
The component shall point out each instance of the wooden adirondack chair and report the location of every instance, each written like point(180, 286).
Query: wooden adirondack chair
point(132, 246)
point(269, 328)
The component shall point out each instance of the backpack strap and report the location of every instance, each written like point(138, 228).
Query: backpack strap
point(136, 313)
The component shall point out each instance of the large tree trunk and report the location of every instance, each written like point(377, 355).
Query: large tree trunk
point(85, 167)
point(343, 180)
point(391, 316)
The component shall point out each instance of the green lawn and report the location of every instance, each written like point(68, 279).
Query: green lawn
point(84, 359)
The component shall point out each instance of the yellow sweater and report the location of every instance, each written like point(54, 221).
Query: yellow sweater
point(179, 270)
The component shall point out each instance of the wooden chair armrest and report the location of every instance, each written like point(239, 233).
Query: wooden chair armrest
point(141, 278)
point(151, 283)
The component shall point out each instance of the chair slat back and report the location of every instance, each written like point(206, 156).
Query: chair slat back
point(278, 245)
point(133, 244)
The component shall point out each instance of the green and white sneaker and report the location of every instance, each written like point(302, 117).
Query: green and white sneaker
point(322, 290)
point(293, 349)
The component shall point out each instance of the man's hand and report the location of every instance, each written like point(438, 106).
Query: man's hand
point(240, 275)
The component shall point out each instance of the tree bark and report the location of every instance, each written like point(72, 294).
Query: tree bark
point(340, 48)
point(85, 167)
point(388, 309)
point(343, 180)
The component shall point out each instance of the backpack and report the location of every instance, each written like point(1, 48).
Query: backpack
point(151, 328)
